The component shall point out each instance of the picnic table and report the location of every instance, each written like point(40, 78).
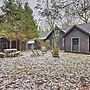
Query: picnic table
point(11, 52)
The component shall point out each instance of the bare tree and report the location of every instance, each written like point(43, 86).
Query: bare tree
point(82, 9)
point(54, 11)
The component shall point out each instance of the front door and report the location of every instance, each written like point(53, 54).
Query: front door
point(75, 46)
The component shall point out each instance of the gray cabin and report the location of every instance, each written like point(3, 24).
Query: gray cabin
point(77, 39)
point(54, 37)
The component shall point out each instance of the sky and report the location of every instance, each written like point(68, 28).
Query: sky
point(1, 2)
point(32, 4)
point(41, 23)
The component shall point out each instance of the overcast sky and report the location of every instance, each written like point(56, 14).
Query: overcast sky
point(41, 23)
point(32, 4)
point(0, 2)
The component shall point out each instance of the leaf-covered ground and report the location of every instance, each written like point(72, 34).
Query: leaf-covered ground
point(45, 72)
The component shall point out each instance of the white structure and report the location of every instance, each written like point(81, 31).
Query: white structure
point(30, 44)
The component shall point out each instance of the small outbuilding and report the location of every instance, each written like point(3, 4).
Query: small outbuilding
point(32, 44)
point(5, 43)
point(77, 39)
point(54, 38)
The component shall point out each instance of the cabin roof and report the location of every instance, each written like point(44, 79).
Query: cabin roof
point(44, 34)
point(83, 27)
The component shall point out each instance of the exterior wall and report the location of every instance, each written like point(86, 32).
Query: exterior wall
point(22, 46)
point(29, 46)
point(84, 40)
point(56, 41)
point(15, 44)
point(61, 41)
point(33, 45)
point(50, 40)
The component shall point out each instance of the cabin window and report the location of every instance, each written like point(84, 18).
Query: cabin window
point(75, 41)
point(56, 33)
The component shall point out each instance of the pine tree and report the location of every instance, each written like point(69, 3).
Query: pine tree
point(17, 22)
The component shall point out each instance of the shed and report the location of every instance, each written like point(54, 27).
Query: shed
point(77, 38)
point(54, 37)
point(32, 43)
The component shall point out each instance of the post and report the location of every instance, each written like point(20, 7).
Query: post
point(10, 45)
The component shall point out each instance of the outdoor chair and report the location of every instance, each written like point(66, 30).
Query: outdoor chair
point(55, 52)
point(35, 53)
point(43, 50)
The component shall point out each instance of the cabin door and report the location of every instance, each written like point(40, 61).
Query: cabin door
point(75, 44)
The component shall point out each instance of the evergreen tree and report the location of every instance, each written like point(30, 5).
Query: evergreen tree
point(17, 22)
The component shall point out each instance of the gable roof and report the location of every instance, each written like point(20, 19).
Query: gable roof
point(82, 27)
point(57, 28)
point(31, 41)
point(85, 27)
point(44, 34)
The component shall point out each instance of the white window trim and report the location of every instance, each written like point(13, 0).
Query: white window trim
point(63, 42)
point(88, 44)
point(79, 43)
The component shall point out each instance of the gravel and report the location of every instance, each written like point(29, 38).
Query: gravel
point(69, 72)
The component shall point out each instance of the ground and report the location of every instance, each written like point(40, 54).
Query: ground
point(45, 72)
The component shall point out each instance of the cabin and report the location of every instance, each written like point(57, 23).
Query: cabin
point(54, 38)
point(5, 43)
point(77, 39)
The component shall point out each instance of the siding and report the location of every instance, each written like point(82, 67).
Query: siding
point(84, 38)
point(61, 34)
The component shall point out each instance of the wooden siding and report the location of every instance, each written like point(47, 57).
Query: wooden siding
point(61, 41)
point(84, 40)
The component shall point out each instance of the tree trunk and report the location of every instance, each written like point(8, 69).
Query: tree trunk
point(16, 44)
point(10, 45)
point(20, 45)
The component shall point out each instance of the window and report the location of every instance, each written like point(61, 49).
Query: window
point(75, 41)
point(57, 33)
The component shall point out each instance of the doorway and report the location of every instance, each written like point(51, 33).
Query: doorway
point(75, 44)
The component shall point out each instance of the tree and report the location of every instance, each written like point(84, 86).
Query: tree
point(66, 12)
point(54, 10)
point(82, 9)
point(17, 21)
